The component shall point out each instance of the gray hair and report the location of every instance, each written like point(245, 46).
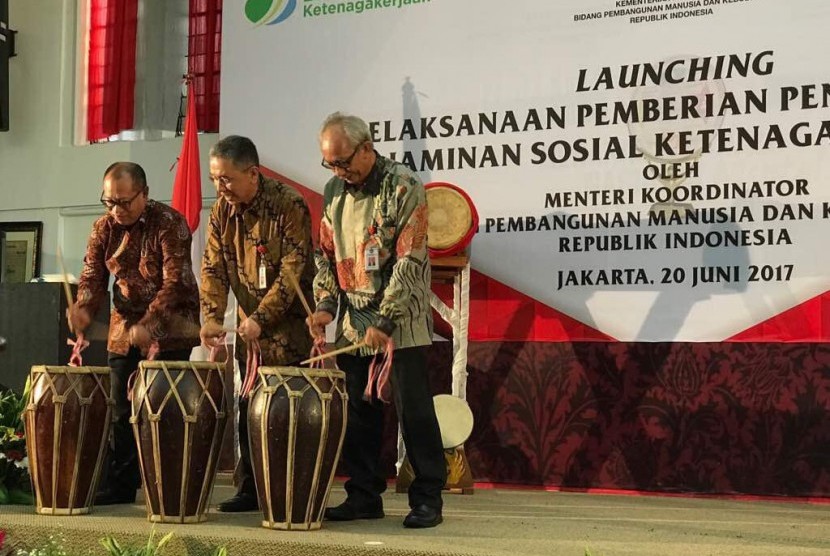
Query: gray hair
point(241, 151)
point(117, 170)
point(355, 129)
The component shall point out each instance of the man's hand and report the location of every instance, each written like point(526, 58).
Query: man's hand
point(375, 338)
point(140, 337)
point(210, 334)
point(317, 324)
point(249, 330)
point(79, 318)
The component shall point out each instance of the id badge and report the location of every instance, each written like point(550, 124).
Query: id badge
point(262, 275)
point(371, 257)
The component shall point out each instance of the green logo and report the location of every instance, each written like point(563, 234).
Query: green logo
point(269, 12)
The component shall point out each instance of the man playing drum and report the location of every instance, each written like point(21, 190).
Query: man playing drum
point(145, 246)
point(259, 240)
point(373, 264)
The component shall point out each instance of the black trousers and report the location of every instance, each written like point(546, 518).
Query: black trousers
point(244, 473)
point(419, 427)
point(122, 472)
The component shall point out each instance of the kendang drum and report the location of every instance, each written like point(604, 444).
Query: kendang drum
point(296, 426)
point(453, 219)
point(178, 415)
point(67, 422)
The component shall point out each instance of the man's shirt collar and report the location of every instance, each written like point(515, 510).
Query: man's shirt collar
point(371, 185)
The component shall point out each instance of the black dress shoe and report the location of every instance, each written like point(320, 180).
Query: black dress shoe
point(348, 512)
point(422, 517)
point(241, 502)
point(108, 497)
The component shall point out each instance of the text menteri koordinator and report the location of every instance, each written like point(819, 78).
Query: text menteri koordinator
point(679, 193)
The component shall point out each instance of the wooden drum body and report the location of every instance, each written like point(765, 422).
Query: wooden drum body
point(67, 421)
point(178, 417)
point(296, 426)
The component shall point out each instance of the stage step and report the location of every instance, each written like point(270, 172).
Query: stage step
point(490, 522)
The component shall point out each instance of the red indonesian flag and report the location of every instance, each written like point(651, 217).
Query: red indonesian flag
point(187, 193)
point(187, 187)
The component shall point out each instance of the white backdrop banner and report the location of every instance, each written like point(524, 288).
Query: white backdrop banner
point(657, 170)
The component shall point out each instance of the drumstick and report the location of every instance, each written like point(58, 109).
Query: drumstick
point(69, 299)
point(296, 284)
point(346, 349)
point(179, 328)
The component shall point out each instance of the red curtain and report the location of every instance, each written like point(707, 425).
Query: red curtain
point(204, 51)
point(111, 82)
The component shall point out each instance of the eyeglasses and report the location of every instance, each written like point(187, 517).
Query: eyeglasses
point(342, 164)
point(225, 181)
point(122, 203)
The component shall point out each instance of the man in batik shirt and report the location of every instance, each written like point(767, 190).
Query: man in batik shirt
point(259, 237)
point(145, 247)
point(373, 264)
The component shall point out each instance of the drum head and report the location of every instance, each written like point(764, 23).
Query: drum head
point(455, 419)
point(450, 217)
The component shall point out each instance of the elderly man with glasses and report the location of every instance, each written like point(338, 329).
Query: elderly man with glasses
point(145, 246)
point(373, 266)
point(259, 240)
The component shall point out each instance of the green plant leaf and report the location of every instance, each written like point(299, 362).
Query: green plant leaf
point(18, 496)
point(112, 547)
point(164, 540)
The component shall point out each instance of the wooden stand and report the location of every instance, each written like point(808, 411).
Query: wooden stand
point(446, 269)
point(455, 269)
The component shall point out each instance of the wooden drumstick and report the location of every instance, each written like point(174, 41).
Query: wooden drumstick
point(69, 299)
point(346, 349)
point(296, 284)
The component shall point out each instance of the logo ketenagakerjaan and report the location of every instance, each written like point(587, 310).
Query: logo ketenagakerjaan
point(269, 12)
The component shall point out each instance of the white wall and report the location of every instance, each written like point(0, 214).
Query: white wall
point(43, 176)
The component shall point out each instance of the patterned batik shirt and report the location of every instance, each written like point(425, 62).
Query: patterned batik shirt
point(275, 227)
point(154, 283)
point(389, 212)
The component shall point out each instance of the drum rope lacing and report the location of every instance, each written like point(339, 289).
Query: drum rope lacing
point(152, 353)
point(214, 349)
point(78, 345)
point(252, 366)
point(318, 348)
point(379, 375)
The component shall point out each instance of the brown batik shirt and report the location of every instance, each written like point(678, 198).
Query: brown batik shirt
point(274, 228)
point(153, 284)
